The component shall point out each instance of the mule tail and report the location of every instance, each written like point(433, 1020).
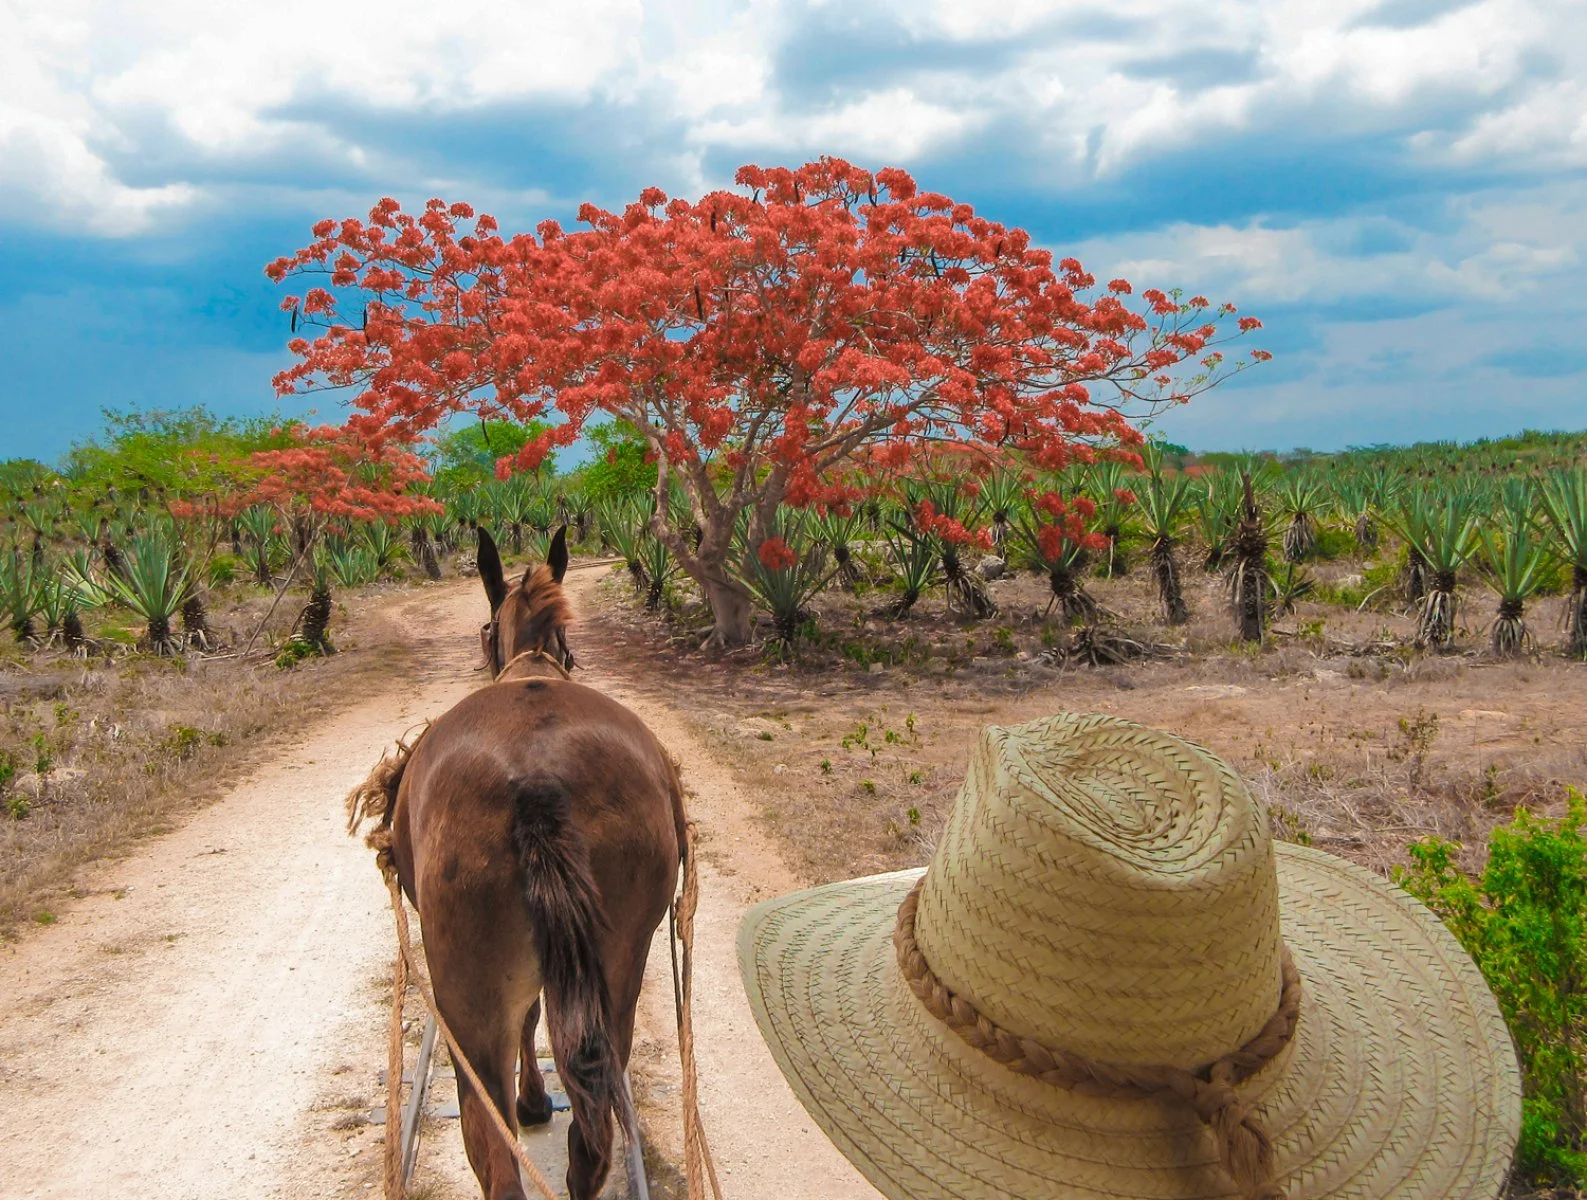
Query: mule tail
point(375, 799)
point(565, 910)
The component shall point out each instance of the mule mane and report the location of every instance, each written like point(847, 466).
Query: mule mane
point(537, 608)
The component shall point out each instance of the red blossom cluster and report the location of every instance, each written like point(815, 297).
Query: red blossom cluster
point(949, 529)
point(776, 554)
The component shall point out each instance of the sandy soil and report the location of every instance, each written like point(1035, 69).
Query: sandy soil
point(209, 1021)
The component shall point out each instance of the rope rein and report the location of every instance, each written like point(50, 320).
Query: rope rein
point(1244, 1145)
point(696, 1150)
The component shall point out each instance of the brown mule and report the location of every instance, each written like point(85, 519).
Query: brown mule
point(537, 827)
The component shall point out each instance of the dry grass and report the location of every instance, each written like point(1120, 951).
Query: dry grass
point(1359, 749)
point(127, 744)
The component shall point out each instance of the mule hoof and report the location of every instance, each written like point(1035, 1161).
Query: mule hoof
point(529, 1115)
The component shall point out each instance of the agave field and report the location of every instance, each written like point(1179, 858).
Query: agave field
point(1463, 540)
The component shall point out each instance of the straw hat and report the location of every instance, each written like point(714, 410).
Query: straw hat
point(1088, 993)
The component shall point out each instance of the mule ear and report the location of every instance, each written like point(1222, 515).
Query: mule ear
point(557, 556)
point(490, 572)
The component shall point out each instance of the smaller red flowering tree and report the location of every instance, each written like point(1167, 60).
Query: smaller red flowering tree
point(334, 472)
point(757, 340)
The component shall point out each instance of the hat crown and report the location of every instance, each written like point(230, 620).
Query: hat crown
point(1107, 890)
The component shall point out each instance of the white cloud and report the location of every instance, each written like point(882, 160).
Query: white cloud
point(1486, 248)
point(883, 126)
point(86, 85)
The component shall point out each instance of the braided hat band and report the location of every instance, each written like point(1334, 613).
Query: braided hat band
point(1243, 1142)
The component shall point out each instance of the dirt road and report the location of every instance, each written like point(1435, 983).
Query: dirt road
point(209, 1020)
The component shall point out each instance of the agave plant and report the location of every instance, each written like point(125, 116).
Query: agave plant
point(623, 529)
point(1300, 500)
point(1516, 503)
point(350, 565)
point(580, 512)
point(1217, 514)
point(660, 567)
point(1515, 566)
point(508, 502)
point(952, 519)
point(384, 542)
point(837, 532)
point(1106, 485)
point(1564, 508)
point(259, 524)
point(1002, 496)
point(1442, 535)
point(915, 555)
point(1353, 499)
point(19, 596)
point(785, 573)
point(80, 593)
point(154, 585)
point(1248, 579)
point(1291, 584)
point(1163, 504)
point(312, 630)
point(1064, 561)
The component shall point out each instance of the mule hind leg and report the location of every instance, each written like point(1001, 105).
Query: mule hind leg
point(493, 1053)
point(534, 1106)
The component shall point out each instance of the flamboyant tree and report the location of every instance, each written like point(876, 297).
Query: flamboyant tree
point(758, 340)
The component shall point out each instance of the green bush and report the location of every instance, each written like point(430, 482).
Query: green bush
point(1333, 542)
point(1524, 921)
point(223, 569)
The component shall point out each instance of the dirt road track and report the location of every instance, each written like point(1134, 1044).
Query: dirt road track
point(202, 1024)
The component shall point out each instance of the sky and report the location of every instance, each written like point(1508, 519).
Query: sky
point(1398, 188)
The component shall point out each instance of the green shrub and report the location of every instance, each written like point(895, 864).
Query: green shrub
point(1333, 542)
point(1524, 921)
point(223, 569)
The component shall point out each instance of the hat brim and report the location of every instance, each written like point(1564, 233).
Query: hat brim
point(1401, 1080)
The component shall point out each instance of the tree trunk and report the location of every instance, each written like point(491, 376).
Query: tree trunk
point(730, 609)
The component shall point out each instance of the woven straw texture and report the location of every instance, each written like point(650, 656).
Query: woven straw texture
point(1112, 891)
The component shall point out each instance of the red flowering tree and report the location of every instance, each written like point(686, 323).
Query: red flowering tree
point(758, 340)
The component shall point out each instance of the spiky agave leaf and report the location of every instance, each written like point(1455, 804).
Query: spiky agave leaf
point(1064, 561)
point(384, 541)
point(1564, 508)
point(660, 567)
point(19, 596)
point(623, 529)
point(153, 585)
point(1442, 534)
point(1515, 565)
point(1163, 503)
point(1002, 497)
point(1300, 500)
point(837, 532)
point(1217, 514)
point(785, 574)
point(1108, 489)
point(1248, 579)
point(915, 555)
